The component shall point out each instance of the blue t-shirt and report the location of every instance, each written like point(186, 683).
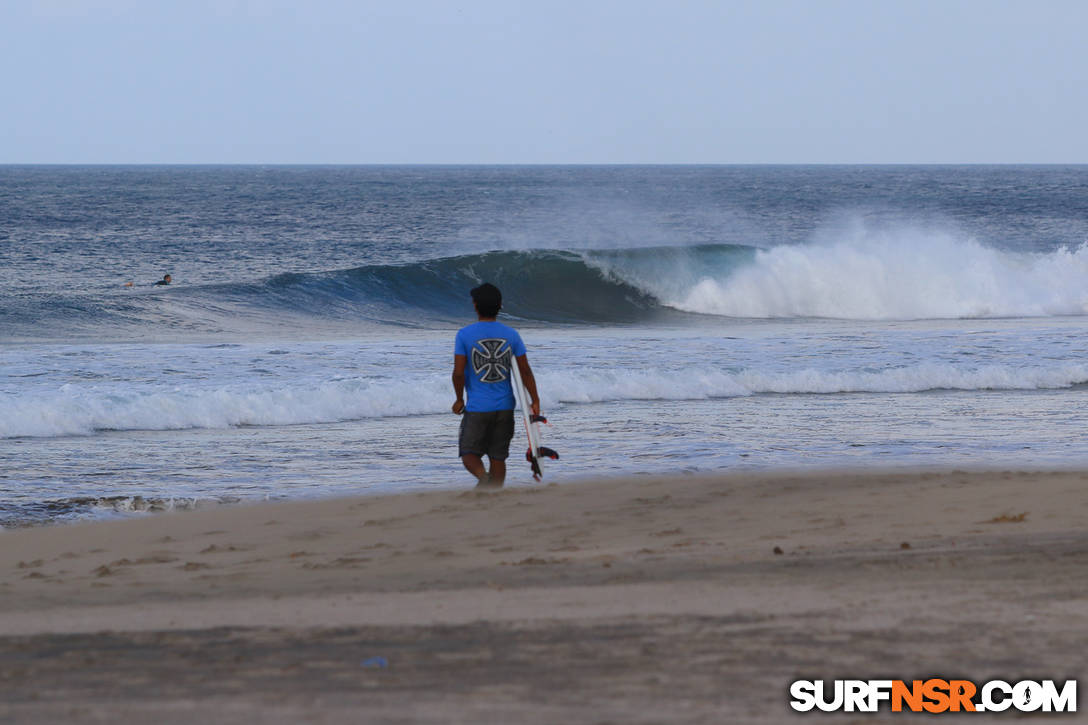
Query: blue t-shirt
point(487, 347)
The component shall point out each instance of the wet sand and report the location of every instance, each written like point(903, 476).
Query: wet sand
point(643, 600)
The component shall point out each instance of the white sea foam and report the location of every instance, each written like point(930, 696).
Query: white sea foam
point(73, 410)
point(892, 275)
point(600, 386)
point(916, 379)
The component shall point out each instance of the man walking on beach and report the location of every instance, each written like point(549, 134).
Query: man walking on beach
point(483, 353)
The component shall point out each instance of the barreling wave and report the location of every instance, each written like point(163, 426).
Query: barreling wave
point(906, 275)
point(555, 286)
point(589, 286)
point(552, 286)
point(75, 411)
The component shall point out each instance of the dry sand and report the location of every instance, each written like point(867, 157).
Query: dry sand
point(621, 601)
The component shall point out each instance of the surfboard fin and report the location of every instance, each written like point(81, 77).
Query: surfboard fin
point(534, 464)
point(542, 452)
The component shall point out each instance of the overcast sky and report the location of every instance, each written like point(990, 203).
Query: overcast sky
point(544, 81)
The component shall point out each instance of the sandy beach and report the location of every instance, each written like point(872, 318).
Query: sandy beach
point(641, 600)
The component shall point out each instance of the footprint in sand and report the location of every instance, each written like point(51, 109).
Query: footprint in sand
point(1007, 519)
point(537, 561)
point(194, 566)
point(308, 536)
point(383, 522)
point(215, 549)
point(344, 562)
point(164, 558)
point(351, 560)
point(653, 500)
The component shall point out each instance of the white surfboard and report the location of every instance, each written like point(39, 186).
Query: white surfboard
point(532, 427)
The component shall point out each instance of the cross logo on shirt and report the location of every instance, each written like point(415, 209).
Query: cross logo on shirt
point(490, 361)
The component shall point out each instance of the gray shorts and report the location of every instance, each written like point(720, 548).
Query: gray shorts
point(486, 434)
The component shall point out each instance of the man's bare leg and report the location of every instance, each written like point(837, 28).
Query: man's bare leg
point(498, 472)
point(475, 465)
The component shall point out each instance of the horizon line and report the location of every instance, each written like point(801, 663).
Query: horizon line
point(536, 163)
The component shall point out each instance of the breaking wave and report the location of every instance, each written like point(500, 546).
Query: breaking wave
point(896, 277)
point(73, 410)
point(910, 275)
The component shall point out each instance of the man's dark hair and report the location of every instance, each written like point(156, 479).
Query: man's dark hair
point(488, 300)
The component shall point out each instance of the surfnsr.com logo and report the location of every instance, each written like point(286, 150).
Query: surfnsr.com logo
point(933, 696)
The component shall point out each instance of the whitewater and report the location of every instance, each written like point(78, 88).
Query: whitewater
point(678, 319)
point(83, 411)
point(907, 276)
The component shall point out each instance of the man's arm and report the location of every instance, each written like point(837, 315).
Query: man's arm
point(459, 362)
point(530, 382)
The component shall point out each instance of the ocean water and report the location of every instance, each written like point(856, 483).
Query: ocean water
point(679, 319)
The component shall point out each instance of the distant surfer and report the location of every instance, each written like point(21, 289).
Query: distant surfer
point(481, 367)
point(166, 279)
